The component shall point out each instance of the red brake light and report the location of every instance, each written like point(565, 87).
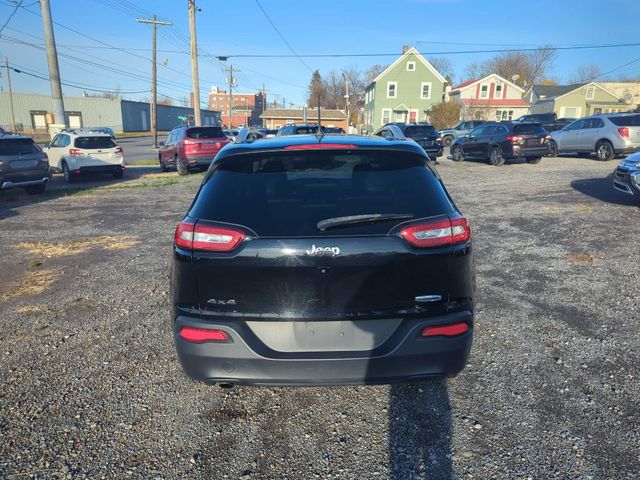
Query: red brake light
point(452, 330)
point(74, 152)
point(207, 238)
point(437, 234)
point(515, 139)
point(624, 132)
point(321, 146)
point(199, 335)
point(119, 151)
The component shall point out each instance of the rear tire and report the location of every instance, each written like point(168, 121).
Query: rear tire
point(553, 149)
point(457, 154)
point(68, 176)
point(495, 157)
point(533, 160)
point(604, 150)
point(447, 141)
point(182, 171)
point(35, 189)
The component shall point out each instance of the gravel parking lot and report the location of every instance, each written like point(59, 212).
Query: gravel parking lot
point(90, 385)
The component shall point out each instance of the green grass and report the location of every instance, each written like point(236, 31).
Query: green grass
point(150, 161)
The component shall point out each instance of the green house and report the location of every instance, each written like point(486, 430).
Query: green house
point(404, 91)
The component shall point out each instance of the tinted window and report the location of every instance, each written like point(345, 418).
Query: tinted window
point(205, 132)
point(529, 129)
point(306, 130)
point(288, 193)
point(626, 121)
point(595, 123)
point(420, 131)
point(577, 125)
point(478, 132)
point(91, 143)
point(17, 147)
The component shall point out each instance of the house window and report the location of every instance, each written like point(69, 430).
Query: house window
point(392, 89)
point(386, 115)
point(425, 91)
point(411, 66)
point(591, 93)
point(484, 91)
point(498, 93)
point(504, 115)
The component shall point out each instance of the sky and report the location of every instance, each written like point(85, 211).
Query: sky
point(240, 27)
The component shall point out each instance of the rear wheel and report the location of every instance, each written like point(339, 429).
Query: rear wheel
point(553, 149)
point(68, 176)
point(604, 150)
point(35, 189)
point(457, 153)
point(180, 167)
point(495, 157)
point(534, 160)
point(447, 141)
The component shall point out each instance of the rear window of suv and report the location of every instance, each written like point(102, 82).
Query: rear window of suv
point(626, 121)
point(205, 132)
point(420, 131)
point(93, 143)
point(529, 129)
point(17, 146)
point(286, 194)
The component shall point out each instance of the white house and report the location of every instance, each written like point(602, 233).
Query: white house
point(490, 98)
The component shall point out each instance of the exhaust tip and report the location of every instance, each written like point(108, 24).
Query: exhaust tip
point(226, 386)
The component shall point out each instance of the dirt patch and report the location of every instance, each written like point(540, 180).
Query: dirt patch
point(30, 309)
point(582, 207)
point(76, 247)
point(31, 283)
point(583, 258)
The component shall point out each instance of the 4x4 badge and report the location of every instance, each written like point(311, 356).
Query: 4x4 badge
point(334, 251)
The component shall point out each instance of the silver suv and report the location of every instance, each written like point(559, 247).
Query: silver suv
point(605, 135)
point(22, 164)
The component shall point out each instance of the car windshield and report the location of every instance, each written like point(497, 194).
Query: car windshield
point(19, 146)
point(92, 143)
point(531, 129)
point(288, 193)
point(626, 120)
point(420, 131)
point(308, 130)
point(206, 132)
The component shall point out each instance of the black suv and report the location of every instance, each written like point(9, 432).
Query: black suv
point(549, 121)
point(497, 142)
point(423, 134)
point(22, 164)
point(305, 129)
point(306, 261)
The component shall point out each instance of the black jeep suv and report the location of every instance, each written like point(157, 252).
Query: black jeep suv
point(497, 142)
point(424, 134)
point(307, 261)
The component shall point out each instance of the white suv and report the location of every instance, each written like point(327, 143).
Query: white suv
point(73, 152)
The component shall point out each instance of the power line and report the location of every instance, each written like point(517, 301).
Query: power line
point(282, 36)
point(18, 4)
point(618, 68)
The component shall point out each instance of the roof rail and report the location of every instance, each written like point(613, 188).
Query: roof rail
point(249, 135)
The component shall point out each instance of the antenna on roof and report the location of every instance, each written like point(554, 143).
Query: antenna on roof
point(319, 132)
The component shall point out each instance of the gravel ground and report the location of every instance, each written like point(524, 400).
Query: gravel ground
point(90, 386)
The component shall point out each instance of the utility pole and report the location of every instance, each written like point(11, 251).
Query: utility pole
point(52, 58)
point(232, 83)
point(194, 62)
point(346, 84)
point(264, 104)
point(13, 113)
point(154, 76)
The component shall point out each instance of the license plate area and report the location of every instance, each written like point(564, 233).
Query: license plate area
point(23, 164)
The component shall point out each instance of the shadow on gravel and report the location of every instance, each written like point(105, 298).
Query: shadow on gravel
point(602, 189)
point(420, 431)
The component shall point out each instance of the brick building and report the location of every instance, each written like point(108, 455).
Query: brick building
point(278, 117)
point(247, 107)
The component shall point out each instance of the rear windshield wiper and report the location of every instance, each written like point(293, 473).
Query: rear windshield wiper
point(336, 222)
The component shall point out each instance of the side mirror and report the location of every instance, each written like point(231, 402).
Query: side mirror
point(161, 144)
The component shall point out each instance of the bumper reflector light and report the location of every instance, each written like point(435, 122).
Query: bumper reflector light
point(452, 330)
point(200, 335)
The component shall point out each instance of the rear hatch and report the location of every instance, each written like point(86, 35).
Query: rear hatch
point(293, 265)
point(628, 127)
point(96, 150)
point(424, 135)
point(204, 142)
point(529, 136)
point(19, 155)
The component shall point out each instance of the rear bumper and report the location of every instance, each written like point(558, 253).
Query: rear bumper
point(18, 182)
point(404, 357)
point(541, 151)
point(627, 149)
point(100, 168)
point(199, 161)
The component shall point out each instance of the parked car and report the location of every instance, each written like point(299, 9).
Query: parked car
point(22, 164)
point(311, 262)
point(607, 135)
point(423, 134)
point(108, 130)
point(189, 149)
point(304, 129)
point(626, 176)
point(74, 152)
point(460, 130)
point(334, 130)
point(4, 132)
point(500, 141)
point(270, 132)
point(550, 121)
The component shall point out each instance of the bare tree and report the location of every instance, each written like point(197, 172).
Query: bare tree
point(164, 100)
point(373, 71)
point(444, 66)
point(335, 88)
point(585, 74)
point(475, 71)
point(541, 63)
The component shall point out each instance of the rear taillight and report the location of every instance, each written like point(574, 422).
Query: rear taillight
point(200, 335)
point(190, 236)
point(321, 146)
point(119, 151)
point(515, 139)
point(74, 152)
point(624, 132)
point(452, 330)
point(437, 234)
point(439, 140)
